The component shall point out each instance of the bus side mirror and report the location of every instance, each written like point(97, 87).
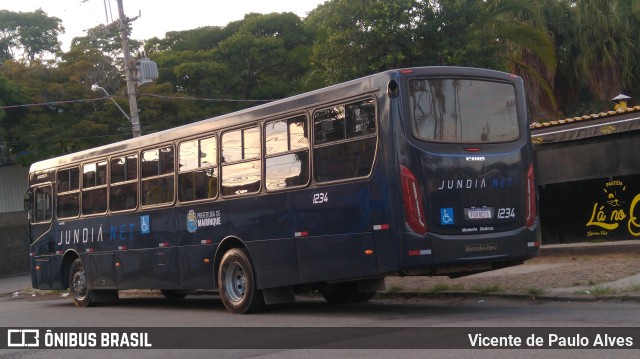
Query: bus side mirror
point(28, 201)
point(393, 90)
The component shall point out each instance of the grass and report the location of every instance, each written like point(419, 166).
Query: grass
point(440, 287)
point(496, 288)
point(633, 288)
point(599, 290)
point(443, 287)
point(396, 288)
point(536, 292)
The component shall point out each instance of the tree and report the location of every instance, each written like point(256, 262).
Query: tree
point(457, 32)
point(359, 37)
point(507, 35)
point(59, 120)
point(9, 95)
point(267, 56)
point(202, 38)
point(605, 45)
point(32, 33)
point(530, 51)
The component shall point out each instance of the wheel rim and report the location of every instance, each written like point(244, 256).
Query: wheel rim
point(235, 282)
point(79, 285)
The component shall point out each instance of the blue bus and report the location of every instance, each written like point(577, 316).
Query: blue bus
point(416, 171)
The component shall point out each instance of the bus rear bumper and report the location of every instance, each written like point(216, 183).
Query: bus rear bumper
point(459, 255)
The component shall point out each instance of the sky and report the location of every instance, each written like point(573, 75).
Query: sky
point(156, 16)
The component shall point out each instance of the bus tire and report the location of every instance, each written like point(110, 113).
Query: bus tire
point(79, 285)
point(345, 293)
point(237, 284)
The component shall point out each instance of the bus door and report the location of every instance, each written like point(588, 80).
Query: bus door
point(39, 204)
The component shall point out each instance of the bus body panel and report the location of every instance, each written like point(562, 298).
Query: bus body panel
point(513, 245)
point(336, 258)
point(457, 186)
point(320, 232)
point(474, 193)
point(156, 268)
point(265, 225)
point(333, 231)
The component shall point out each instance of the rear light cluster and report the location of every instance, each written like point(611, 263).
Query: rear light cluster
point(413, 208)
point(531, 197)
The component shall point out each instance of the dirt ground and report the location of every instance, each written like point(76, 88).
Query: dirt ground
point(539, 275)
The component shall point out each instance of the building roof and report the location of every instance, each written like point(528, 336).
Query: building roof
point(598, 124)
point(538, 125)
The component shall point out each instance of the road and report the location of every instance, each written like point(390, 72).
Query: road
point(310, 314)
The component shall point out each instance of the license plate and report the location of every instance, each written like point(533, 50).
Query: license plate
point(478, 213)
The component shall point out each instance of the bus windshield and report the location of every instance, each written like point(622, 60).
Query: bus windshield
point(463, 111)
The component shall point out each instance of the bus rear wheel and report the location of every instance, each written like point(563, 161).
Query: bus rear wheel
point(237, 284)
point(79, 286)
point(345, 293)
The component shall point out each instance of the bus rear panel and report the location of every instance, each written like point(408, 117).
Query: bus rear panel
point(466, 173)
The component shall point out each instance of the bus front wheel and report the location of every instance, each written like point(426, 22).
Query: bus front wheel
point(237, 284)
point(79, 286)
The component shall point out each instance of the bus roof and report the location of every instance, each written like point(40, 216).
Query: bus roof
point(281, 107)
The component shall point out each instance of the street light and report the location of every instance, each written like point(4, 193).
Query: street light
point(96, 88)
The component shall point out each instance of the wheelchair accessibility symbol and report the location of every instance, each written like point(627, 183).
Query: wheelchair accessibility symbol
point(446, 216)
point(144, 225)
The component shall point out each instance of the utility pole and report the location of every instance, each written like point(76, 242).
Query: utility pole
point(128, 68)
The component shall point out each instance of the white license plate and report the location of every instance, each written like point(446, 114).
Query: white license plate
point(479, 213)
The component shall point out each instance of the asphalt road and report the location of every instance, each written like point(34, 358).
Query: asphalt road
point(313, 316)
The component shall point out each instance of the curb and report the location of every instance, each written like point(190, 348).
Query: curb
point(635, 297)
point(549, 250)
point(575, 249)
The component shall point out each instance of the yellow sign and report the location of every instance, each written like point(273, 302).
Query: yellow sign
point(609, 215)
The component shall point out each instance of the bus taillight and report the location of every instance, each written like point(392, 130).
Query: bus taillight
point(531, 197)
point(413, 208)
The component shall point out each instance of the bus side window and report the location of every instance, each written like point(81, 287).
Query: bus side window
point(94, 188)
point(198, 172)
point(68, 193)
point(241, 176)
point(287, 153)
point(345, 148)
point(157, 176)
point(123, 192)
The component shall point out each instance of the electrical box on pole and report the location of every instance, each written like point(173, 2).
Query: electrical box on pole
point(146, 71)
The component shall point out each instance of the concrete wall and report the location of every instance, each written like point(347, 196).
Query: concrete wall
point(13, 183)
point(14, 252)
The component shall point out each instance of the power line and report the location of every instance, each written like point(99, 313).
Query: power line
point(202, 99)
point(13, 143)
point(186, 98)
point(54, 103)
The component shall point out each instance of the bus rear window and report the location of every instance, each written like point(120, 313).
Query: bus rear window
point(463, 111)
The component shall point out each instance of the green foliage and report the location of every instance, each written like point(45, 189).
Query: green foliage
point(31, 33)
point(359, 37)
point(573, 55)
